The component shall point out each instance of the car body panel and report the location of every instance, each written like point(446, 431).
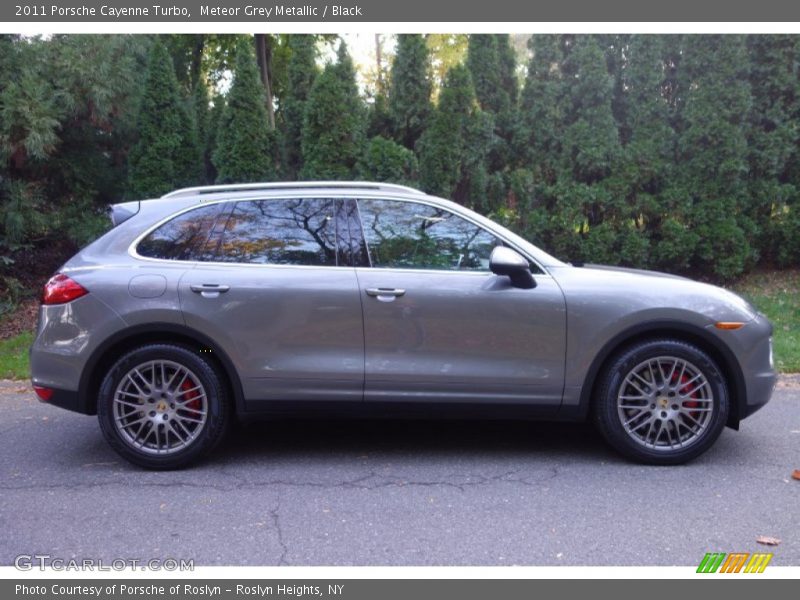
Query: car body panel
point(469, 337)
point(293, 333)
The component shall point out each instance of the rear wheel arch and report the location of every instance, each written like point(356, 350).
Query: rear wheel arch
point(104, 357)
point(678, 331)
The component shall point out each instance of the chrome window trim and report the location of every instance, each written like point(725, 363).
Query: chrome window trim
point(427, 201)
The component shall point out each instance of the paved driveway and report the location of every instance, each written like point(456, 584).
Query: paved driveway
point(421, 493)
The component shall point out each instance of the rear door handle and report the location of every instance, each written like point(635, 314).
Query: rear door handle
point(209, 290)
point(385, 293)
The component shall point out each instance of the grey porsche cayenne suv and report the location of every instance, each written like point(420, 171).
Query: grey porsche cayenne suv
point(246, 301)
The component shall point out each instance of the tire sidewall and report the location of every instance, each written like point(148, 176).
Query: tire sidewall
point(216, 397)
point(607, 416)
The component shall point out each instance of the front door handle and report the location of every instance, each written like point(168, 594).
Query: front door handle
point(209, 290)
point(385, 294)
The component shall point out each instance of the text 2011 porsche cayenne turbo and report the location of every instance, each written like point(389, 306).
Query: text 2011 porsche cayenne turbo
point(244, 300)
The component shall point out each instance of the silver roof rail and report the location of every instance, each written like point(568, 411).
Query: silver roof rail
point(290, 185)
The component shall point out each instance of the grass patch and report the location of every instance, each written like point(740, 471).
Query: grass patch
point(14, 356)
point(777, 295)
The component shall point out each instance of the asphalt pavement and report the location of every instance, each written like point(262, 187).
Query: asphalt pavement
point(397, 493)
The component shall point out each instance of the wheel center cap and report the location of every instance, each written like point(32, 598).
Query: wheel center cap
point(162, 406)
point(663, 402)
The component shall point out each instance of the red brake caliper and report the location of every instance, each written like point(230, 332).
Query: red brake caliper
point(692, 392)
point(191, 398)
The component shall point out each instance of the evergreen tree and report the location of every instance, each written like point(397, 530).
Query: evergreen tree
point(647, 160)
point(712, 152)
point(379, 120)
point(385, 160)
point(483, 62)
point(410, 91)
point(245, 143)
point(507, 62)
point(214, 119)
point(590, 152)
point(301, 72)
point(492, 66)
point(202, 114)
point(772, 133)
point(539, 132)
point(538, 138)
point(591, 141)
point(445, 50)
point(165, 157)
point(190, 159)
point(452, 149)
point(334, 123)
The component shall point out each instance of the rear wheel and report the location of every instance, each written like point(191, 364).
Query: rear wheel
point(661, 402)
point(163, 407)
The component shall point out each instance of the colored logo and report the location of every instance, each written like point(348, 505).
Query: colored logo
point(736, 562)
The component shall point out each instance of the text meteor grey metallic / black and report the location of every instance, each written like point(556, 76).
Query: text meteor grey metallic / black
point(257, 300)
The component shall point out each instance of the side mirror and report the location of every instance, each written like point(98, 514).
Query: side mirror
point(505, 261)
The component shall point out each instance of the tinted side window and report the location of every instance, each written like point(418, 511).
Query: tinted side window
point(407, 235)
point(181, 237)
point(281, 232)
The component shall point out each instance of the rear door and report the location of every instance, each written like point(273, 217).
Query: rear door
point(277, 290)
point(439, 326)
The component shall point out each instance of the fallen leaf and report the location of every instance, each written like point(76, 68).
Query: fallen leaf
point(767, 540)
point(796, 474)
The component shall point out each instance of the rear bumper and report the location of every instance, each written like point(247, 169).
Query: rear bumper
point(68, 400)
point(67, 336)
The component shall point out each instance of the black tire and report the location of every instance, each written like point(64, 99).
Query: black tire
point(204, 437)
point(616, 414)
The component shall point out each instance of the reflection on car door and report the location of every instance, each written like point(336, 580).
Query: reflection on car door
point(439, 326)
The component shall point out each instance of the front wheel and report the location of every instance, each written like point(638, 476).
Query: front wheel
point(162, 406)
point(661, 402)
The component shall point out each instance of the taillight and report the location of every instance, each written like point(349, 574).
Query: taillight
point(61, 289)
point(44, 393)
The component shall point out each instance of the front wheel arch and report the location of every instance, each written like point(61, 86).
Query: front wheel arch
point(679, 331)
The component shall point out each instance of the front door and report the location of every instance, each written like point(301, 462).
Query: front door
point(439, 326)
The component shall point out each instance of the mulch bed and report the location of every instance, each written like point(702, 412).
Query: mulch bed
point(31, 269)
point(22, 319)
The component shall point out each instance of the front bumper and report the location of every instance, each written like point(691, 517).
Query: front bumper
point(759, 376)
point(752, 349)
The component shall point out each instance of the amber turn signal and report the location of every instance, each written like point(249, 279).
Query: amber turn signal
point(728, 325)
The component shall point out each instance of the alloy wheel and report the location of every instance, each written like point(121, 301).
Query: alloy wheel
point(160, 407)
point(665, 403)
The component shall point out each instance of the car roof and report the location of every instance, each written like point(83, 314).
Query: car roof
point(280, 186)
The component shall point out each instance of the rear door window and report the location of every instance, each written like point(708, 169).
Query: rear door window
point(281, 232)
